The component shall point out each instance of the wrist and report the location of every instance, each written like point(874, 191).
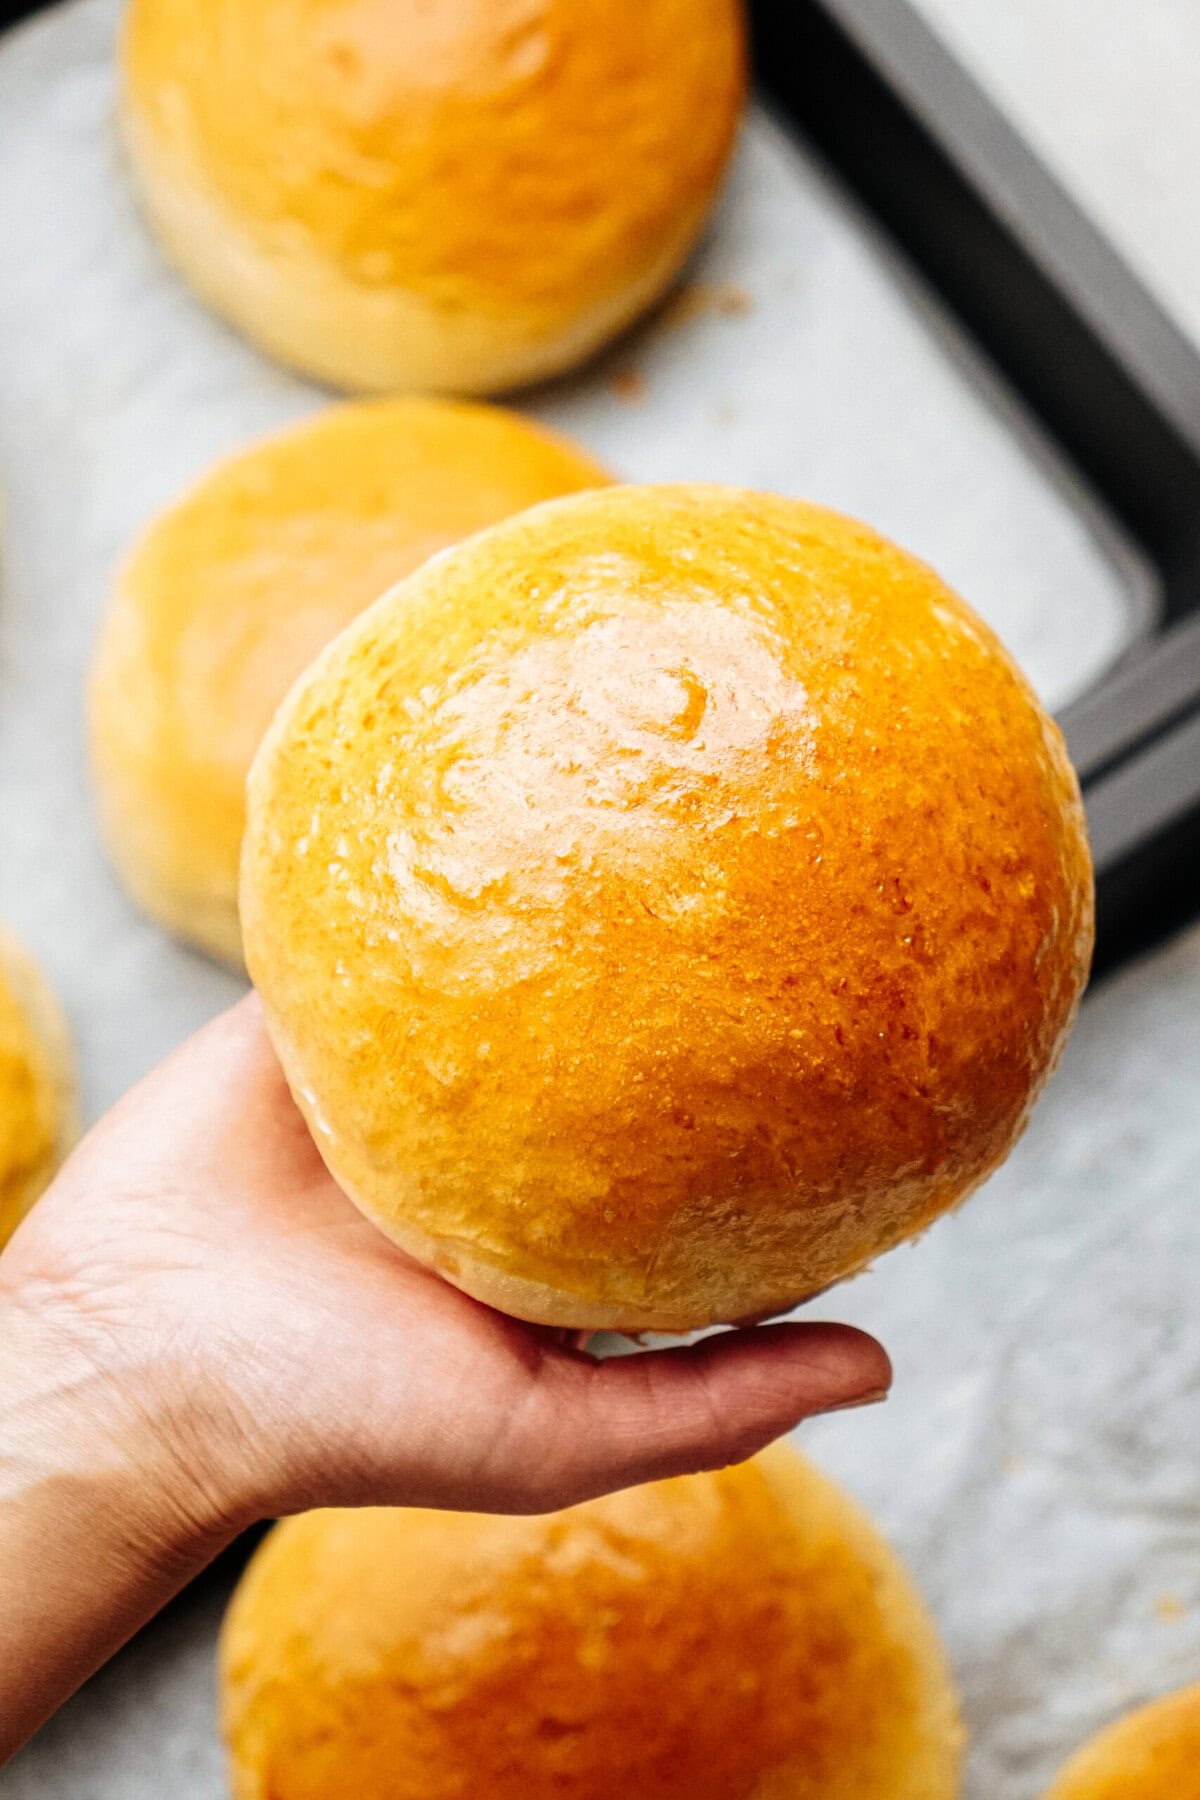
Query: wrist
point(98, 1529)
point(95, 1428)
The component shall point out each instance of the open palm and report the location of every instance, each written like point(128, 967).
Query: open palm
point(291, 1357)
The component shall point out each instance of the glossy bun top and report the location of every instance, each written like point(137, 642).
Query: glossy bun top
point(663, 904)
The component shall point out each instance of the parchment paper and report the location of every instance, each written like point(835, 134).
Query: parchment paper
point(1038, 1465)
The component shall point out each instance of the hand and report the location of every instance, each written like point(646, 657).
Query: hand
point(199, 1330)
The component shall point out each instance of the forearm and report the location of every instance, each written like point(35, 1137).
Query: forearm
point(198, 1330)
point(93, 1537)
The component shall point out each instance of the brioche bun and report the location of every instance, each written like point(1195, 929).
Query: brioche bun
point(232, 592)
point(740, 1636)
point(37, 1088)
point(1151, 1754)
point(458, 197)
point(663, 904)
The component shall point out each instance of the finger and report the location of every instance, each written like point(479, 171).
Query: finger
point(607, 1425)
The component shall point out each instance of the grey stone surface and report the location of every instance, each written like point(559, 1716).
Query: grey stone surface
point(1038, 1462)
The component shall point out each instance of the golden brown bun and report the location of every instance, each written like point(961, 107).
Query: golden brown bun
point(663, 904)
point(37, 1089)
point(1151, 1754)
point(231, 593)
point(459, 197)
point(741, 1636)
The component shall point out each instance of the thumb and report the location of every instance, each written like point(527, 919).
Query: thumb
point(605, 1425)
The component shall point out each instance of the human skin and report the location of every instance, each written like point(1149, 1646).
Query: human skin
point(198, 1331)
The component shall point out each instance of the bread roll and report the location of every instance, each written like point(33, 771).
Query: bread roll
point(457, 196)
point(663, 904)
point(1151, 1754)
point(37, 1089)
point(740, 1636)
point(232, 592)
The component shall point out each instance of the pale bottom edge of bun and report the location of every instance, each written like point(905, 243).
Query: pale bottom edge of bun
point(307, 315)
point(49, 1029)
point(205, 923)
point(460, 1263)
point(541, 1303)
point(166, 863)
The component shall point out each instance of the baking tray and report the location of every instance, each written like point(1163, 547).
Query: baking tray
point(1074, 339)
point(1070, 330)
point(1050, 333)
point(1109, 377)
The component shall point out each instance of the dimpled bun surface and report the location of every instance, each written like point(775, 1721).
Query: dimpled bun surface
point(663, 904)
point(231, 593)
point(739, 1636)
point(1152, 1754)
point(450, 195)
point(37, 1090)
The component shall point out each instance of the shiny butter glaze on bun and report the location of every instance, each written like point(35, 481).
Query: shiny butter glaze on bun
point(665, 903)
